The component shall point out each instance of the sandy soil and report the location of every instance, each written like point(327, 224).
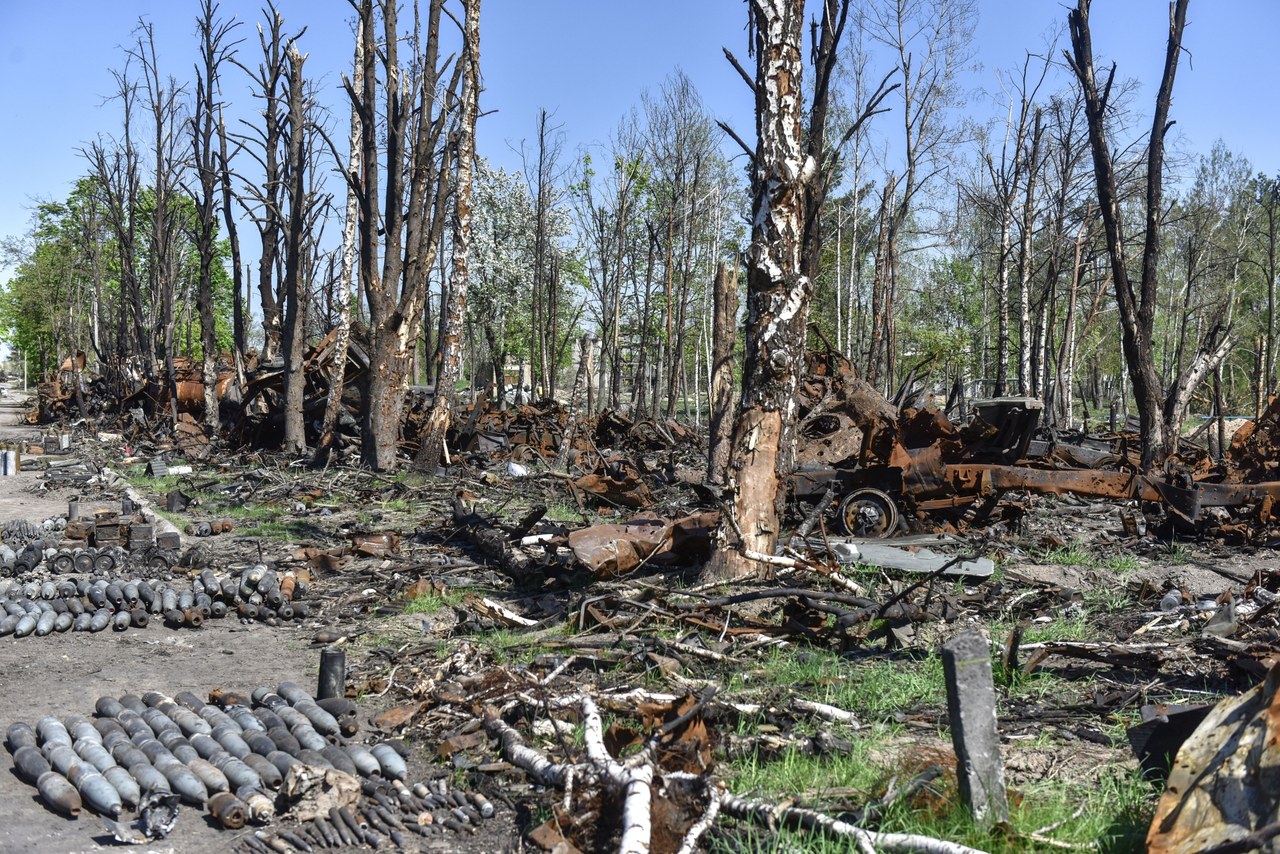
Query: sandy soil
point(65, 674)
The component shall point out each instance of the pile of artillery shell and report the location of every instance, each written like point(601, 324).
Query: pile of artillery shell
point(91, 603)
point(230, 756)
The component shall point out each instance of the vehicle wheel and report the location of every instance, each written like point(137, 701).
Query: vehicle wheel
point(868, 513)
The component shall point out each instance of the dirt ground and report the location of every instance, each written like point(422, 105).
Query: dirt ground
point(65, 674)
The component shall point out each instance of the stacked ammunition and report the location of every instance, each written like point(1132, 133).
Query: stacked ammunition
point(231, 756)
point(94, 601)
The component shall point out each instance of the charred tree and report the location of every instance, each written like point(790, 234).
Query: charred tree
point(406, 233)
point(342, 338)
point(294, 330)
point(724, 335)
point(1159, 415)
point(215, 49)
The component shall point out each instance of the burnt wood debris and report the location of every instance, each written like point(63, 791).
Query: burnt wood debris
point(681, 542)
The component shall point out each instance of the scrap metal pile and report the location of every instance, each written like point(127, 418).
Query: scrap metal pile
point(279, 760)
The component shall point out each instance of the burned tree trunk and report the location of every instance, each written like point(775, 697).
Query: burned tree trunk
point(409, 227)
point(213, 51)
point(1137, 308)
point(294, 331)
point(342, 340)
point(432, 440)
point(778, 293)
point(724, 334)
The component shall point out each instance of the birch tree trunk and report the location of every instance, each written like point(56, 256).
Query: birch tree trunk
point(777, 293)
point(431, 445)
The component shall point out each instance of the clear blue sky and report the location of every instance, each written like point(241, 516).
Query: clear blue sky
point(589, 61)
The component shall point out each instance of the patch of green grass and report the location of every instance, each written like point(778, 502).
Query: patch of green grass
point(1112, 815)
point(1108, 599)
point(871, 688)
point(429, 603)
point(1072, 555)
point(1069, 629)
point(1178, 553)
point(563, 511)
point(1121, 564)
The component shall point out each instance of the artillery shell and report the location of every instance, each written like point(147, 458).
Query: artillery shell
point(8, 624)
point(82, 622)
point(75, 606)
point(127, 755)
point(259, 742)
point(19, 735)
point(393, 765)
point(63, 622)
point(169, 599)
point(159, 722)
point(261, 808)
point(205, 745)
point(138, 618)
point(115, 596)
point(44, 625)
point(52, 731)
point(183, 782)
point(97, 597)
point(282, 761)
point(245, 719)
point(308, 737)
point(213, 779)
point(215, 717)
point(29, 763)
point(187, 720)
point(95, 754)
point(340, 759)
point(231, 741)
point(270, 720)
point(366, 763)
point(345, 825)
point(149, 779)
point(127, 787)
point(295, 840)
point(101, 619)
point(155, 752)
point(146, 593)
point(107, 707)
point(186, 600)
point(59, 794)
point(173, 618)
point(331, 837)
point(237, 773)
point(322, 721)
point(203, 603)
point(131, 594)
point(133, 704)
point(95, 790)
point(266, 771)
point(120, 621)
point(229, 810)
point(284, 740)
point(312, 757)
point(193, 618)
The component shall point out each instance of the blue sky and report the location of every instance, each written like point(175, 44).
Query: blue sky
point(588, 61)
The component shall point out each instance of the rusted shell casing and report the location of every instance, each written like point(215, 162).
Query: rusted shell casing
point(59, 794)
point(193, 618)
point(230, 811)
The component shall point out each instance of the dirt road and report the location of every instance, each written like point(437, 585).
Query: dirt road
point(65, 674)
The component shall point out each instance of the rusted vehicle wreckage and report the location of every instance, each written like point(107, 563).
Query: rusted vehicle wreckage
point(884, 471)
